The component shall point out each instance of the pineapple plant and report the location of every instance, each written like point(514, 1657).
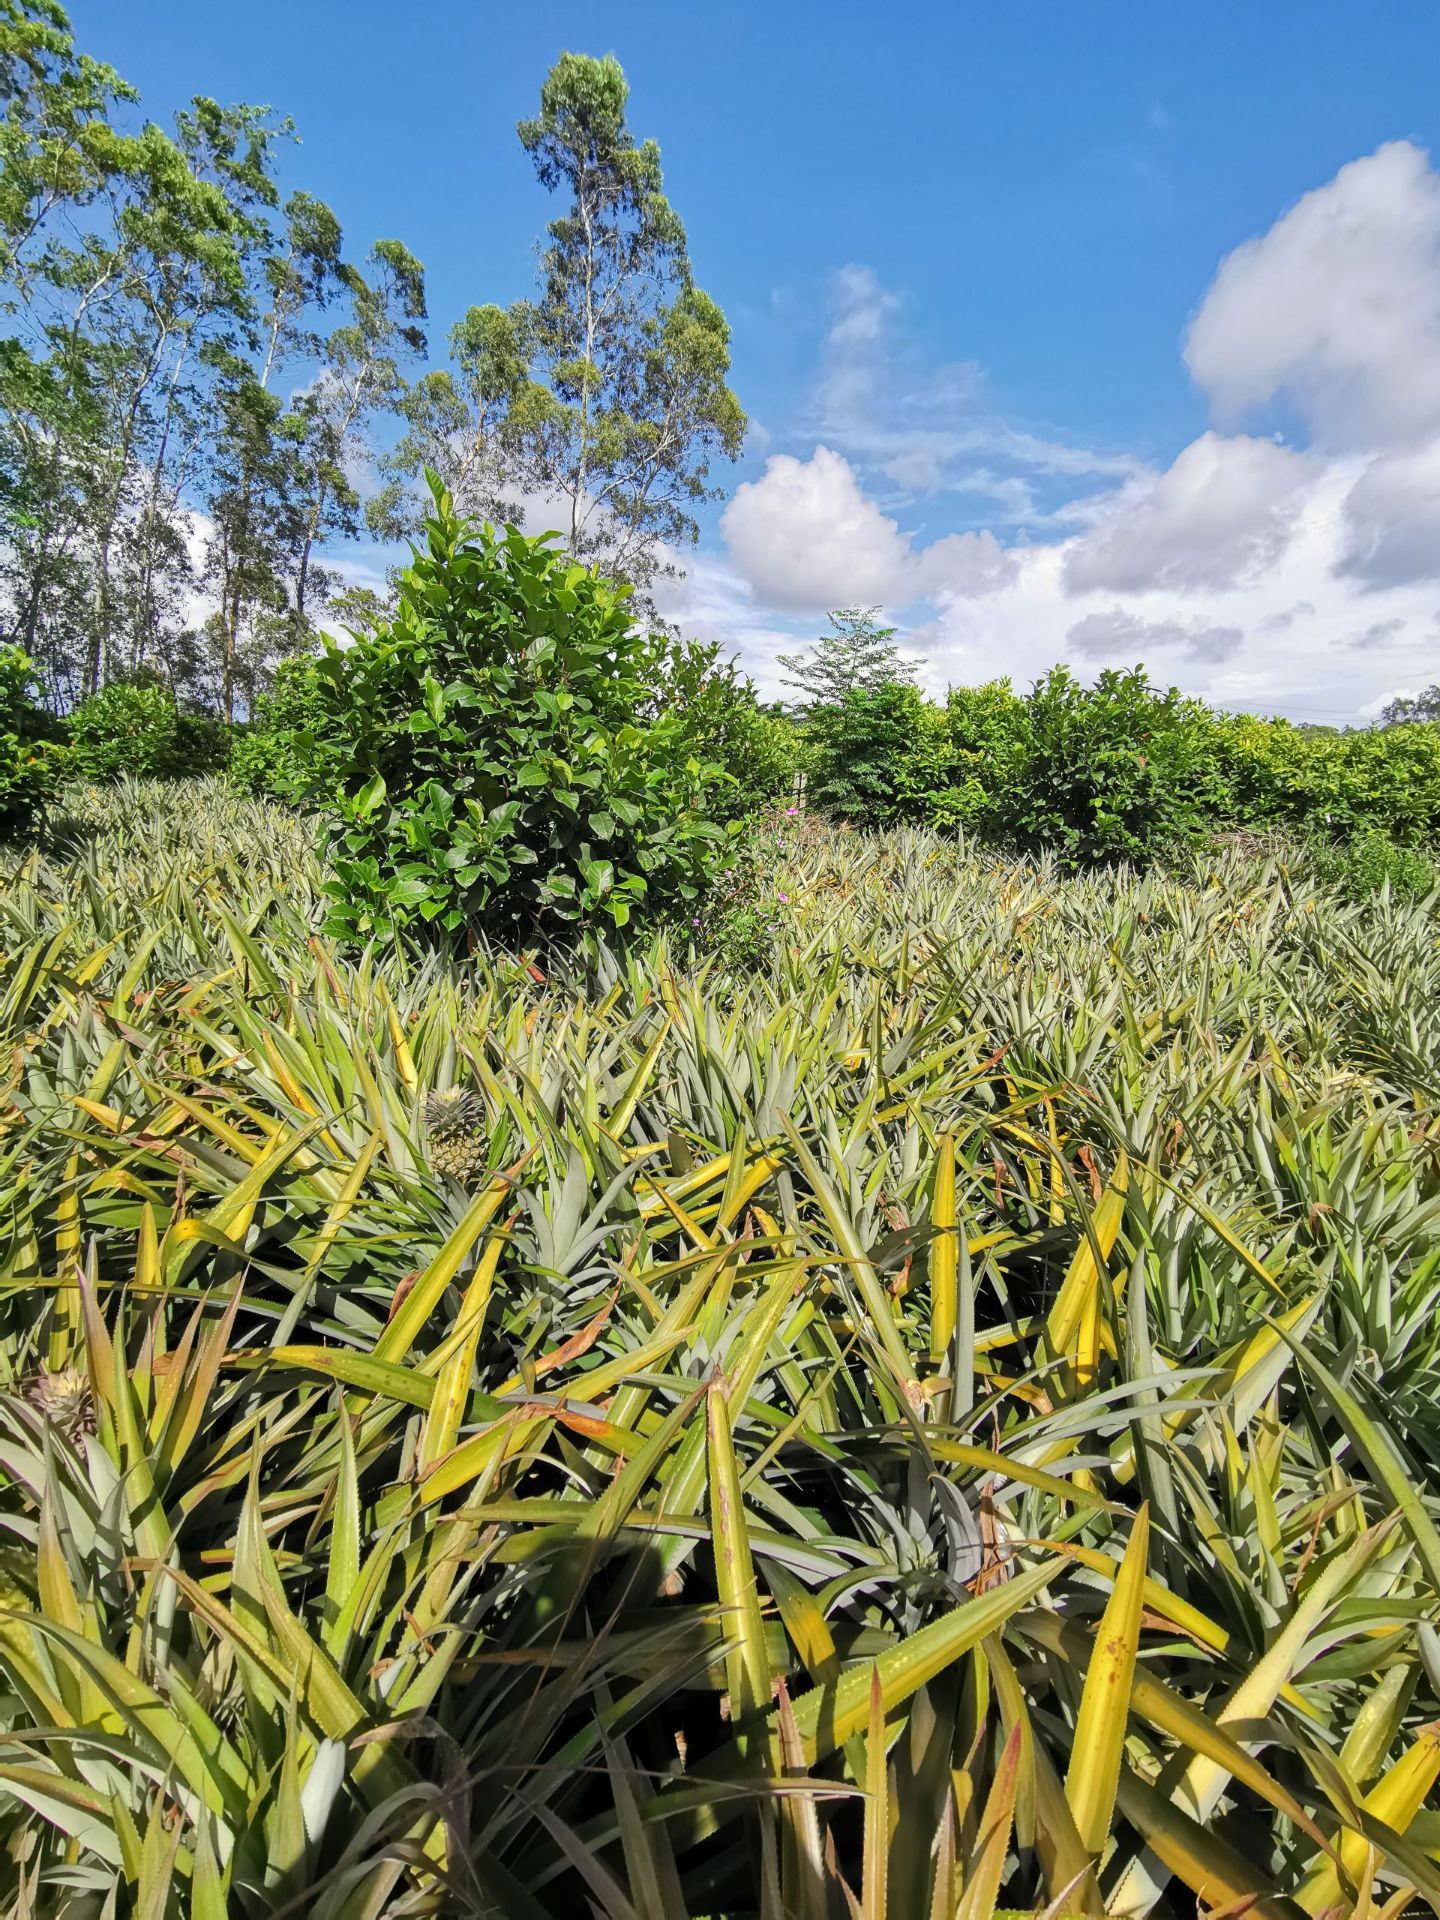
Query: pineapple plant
point(1042, 1213)
point(63, 1398)
point(452, 1124)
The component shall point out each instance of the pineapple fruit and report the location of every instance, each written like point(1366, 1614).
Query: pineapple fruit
point(63, 1398)
point(457, 1145)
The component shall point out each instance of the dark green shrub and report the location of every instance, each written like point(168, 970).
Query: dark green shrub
point(863, 751)
point(740, 918)
point(1116, 771)
point(136, 728)
point(971, 764)
point(755, 746)
point(512, 757)
point(26, 765)
point(289, 749)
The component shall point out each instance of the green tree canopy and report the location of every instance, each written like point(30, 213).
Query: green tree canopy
point(1407, 708)
point(180, 419)
point(599, 405)
point(858, 655)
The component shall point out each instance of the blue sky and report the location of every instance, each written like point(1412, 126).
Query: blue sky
point(960, 248)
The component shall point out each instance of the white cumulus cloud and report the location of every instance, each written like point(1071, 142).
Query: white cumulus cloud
point(1336, 309)
point(805, 536)
point(1220, 514)
point(962, 566)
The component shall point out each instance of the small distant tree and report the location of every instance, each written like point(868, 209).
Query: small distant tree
point(1408, 708)
point(857, 656)
point(863, 747)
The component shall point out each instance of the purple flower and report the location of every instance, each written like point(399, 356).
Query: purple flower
point(792, 810)
point(783, 898)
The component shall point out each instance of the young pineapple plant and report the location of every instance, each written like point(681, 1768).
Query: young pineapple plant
point(453, 1117)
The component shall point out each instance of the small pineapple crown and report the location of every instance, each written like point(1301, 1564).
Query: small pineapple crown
point(456, 1144)
point(63, 1398)
point(451, 1110)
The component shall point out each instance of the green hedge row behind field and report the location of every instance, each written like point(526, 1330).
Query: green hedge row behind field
point(1118, 770)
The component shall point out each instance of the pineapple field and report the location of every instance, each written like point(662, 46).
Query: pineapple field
point(937, 1414)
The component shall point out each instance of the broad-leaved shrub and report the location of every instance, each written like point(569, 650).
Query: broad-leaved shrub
point(756, 747)
point(509, 753)
point(135, 727)
point(291, 749)
point(1120, 770)
point(24, 761)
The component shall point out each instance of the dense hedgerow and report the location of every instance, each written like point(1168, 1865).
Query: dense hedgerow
point(1369, 780)
point(1120, 770)
point(137, 728)
point(509, 703)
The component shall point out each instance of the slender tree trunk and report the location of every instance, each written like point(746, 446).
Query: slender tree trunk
point(148, 623)
point(100, 635)
point(317, 512)
point(303, 576)
point(582, 472)
point(30, 617)
point(99, 620)
point(227, 671)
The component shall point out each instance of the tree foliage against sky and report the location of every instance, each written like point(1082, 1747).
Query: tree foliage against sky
point(187, 379)
point(1407, 708)
point(201, 389)
point(858, 655)
point(598, 406)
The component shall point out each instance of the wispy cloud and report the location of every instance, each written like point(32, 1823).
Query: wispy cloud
point(922, 427)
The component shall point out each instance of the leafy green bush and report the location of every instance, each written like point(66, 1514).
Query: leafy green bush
point(970, 766)
point(755, 746)
point(1124, 770)
point(136, 728)
point(1365, 781)
point(1116, 771)
point(24, 763)
point(512, 758)
point(1368, 861)
point(289, 749)
point(864, 752)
